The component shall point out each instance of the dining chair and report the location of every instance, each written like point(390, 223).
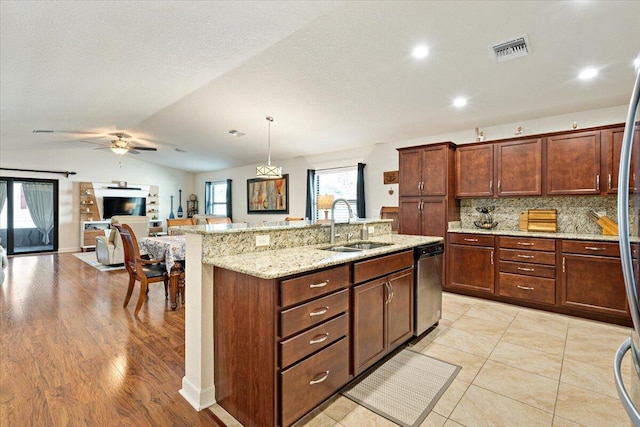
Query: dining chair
point(293, 218)
point(143, 270)
point(180, 221)
point(219, 220)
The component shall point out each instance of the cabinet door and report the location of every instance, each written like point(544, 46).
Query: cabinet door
point(573, 163)
point(474, 171)
point(434, 170)
point(410, 172)
point(368, 323)
point(519, 168)
point(400, 308)
point(409, 216)
point(471, 267)
point(434, 217)
point(593, 283)
point(613, 140)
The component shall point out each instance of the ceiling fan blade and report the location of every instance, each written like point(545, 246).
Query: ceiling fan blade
point(65, 131)
point(143, 148)
point(95, 143)
point(133, 151)
point(102, 148)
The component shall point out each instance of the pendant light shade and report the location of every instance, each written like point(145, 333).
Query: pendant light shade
point(268, 171)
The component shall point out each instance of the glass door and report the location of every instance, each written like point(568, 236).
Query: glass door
point(28, 215)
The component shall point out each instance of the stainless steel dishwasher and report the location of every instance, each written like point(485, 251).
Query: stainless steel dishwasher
point(428, 286)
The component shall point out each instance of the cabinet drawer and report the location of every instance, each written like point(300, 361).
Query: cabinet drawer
point(528, 243)
point(314, 339)
point(591, 248)
point(528, 269)
point(311, 381)
point(535, 257)
point(90, 236)
point(370, 269)
point(313, 285)
point(471, 239)
point(301, 317)
point(527, 288)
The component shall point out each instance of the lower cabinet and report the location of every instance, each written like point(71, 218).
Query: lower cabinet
point(471, 258)
point(382, 317)
point(592, 278)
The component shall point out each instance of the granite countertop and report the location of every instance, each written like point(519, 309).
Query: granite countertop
point(243, 227)
point(519, 233)
point(285, 262)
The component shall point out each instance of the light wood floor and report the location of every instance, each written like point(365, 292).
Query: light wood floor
point(70, 355)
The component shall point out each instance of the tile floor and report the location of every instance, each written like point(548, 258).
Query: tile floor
point(520, 367)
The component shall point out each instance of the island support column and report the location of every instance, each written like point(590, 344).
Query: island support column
point(197, 384)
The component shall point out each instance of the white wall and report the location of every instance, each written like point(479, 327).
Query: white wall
point(384, 157)
point(94, 166)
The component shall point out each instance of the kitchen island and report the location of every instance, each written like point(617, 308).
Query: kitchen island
point(257, 304)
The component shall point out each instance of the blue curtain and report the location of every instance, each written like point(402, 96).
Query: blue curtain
point(229, 206)
point(360, 205)
point(311, 180)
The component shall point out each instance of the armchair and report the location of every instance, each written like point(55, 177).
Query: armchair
point(109, 249)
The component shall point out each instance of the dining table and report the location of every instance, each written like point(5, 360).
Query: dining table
point(172, 250)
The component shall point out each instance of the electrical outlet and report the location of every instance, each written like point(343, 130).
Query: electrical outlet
point(372, 229)
point(262, 240)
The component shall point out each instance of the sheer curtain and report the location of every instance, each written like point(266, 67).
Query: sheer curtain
point(3, 194)
point(39, 198)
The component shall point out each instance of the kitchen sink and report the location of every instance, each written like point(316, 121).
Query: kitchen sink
point(357, 247)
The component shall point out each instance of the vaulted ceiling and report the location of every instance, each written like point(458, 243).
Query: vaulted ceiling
point(334, 75)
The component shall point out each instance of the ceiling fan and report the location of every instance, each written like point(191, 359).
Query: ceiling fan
point(119, 146)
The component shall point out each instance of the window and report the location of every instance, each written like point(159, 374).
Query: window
point(341, 183)
point(217, 198)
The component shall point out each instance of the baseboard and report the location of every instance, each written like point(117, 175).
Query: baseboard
point(198, 398)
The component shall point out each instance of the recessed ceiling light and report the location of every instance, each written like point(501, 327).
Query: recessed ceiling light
point(588, 73)
point(459, 102)
point(420, 52)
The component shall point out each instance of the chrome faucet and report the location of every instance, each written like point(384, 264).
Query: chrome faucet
point(333, 221)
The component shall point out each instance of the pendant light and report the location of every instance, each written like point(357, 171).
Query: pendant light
point(268, 171)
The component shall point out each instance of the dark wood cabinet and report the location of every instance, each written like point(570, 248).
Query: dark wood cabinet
point(612, 140)
point(423, 170)
point(474, 171)
point(423, 216)
point(592, 278)
point(573, 163)
point(426, 202)
point(471, 258)
point(518, 168)
point(382, 308)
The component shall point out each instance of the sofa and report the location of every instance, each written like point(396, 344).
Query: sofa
point(109, 250)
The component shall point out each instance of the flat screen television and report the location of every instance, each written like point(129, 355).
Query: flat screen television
point(123, 206)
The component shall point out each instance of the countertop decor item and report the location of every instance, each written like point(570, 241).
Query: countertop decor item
point(486, 219)
point(544, 220)
point(609, 227)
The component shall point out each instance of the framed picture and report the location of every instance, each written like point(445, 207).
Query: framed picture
point(268, 195)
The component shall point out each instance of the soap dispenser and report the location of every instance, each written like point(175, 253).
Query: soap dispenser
point(364, 233)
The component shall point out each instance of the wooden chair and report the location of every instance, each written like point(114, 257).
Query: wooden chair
point(143, 270)
point(219, 220)
point(390, 212)
point(293, 218)
point(180, 221)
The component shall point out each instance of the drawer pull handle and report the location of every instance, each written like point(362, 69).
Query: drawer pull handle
point(525, 243)
point(595, 248)
point(526, 288)
point(321, 379)
point(470, 240)
point(319, 338)
point(319, 285)
point(319, 312)
point(526, 256)
point(526, 269)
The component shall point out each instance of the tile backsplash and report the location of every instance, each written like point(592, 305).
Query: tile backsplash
point(572, 211)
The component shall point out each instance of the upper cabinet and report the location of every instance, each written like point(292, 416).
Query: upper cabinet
point(573, 164)
point(612, 140)
point(518, 168)
point(423, 170)
point(474, 171)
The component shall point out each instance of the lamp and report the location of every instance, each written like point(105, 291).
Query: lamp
point(268, 171)
point(324, 202)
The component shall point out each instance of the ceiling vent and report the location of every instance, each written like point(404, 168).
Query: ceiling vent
point(511, 49)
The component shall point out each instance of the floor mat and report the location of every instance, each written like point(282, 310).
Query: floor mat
point(405, 388)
